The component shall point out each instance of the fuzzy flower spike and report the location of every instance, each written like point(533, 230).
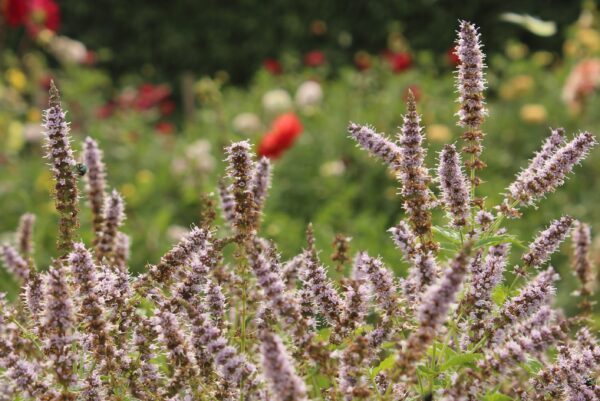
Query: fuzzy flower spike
point(413, 173)
point(454, 185)
point(60, 154)
point(376, 144)
point(95, 184)
point(471, 84)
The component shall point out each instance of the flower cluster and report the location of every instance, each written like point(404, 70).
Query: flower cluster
point(222, 317)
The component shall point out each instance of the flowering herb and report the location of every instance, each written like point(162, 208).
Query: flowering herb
point(207, 322)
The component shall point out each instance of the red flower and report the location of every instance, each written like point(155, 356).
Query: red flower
point(314, 58)
point(34, 14)
point(362, 60)
point(451, 57)
point(284, 131)
point(273, 66)
point(106, 110)
point(400, 61)
point(15, 12)
point(164, 128)
point(150, 95)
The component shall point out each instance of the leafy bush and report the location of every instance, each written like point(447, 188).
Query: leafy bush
point(221, 316)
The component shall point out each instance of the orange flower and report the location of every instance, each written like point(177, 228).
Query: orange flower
point(284, 131)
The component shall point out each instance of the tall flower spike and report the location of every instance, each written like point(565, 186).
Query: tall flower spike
point(535, 293)
point(376, 144)
point(423, 269)
point(14, 263)
point(25, 237)
point(414, 175)
point(179, 255)
point(471, 84)
point(240, 168)
point(484, 278)
point(549, 148)
point(227, 204)
point(553, 172)
point(261, 181)
point(314, 278)
point(582, 265)
point(547, 242)
point(121, 254)
point(455, 188)
point(114, 214)
point(95, 184)
point(59, 152)
point(58, 328)
point(285, 384)
point(433, 311)
point(382, 283)
point(92, 316)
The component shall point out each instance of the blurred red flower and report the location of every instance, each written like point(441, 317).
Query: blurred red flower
point(284, 131)
point(15, 11)
point(399, 61)
point(273, 66)
point(314, 58)
point(164, 127)
point(106, 110)
point(150, 95)
point(362, 60)
point(33, 14)
point(452, 57)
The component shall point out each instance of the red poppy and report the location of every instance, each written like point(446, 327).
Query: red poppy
point(164, 127)
point(314, 58)
point(400, 61)
point(273, 66)
point(284, 131)
point(34, 14)
point(15, 12)
point(451, 57)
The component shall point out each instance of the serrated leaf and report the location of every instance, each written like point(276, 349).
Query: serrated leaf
point(460, 360)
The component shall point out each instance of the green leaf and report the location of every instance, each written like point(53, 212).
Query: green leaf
point(500, 294)
point(386, 364)
point(460, 360)
point(324, 334)
point(496, 396)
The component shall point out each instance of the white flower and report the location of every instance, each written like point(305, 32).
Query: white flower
point(309, 94)
point(247, 123)
point(67, 50)
point(276, 101)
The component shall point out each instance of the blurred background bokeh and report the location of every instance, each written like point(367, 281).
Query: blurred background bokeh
point(163, 87)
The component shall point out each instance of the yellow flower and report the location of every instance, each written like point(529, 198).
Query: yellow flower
point(517, 86)
point(534, 113)
point(129, 192)
point(16, 78)
point(542, 58)
point(589, 38)
point(438, 133)
point(14, 141)
point(34, 115)
point(144, 177)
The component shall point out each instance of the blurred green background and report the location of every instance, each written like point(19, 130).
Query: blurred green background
point(163, 89)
